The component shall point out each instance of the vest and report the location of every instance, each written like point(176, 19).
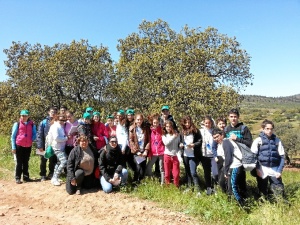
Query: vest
point(268, 151)
point(24, 134)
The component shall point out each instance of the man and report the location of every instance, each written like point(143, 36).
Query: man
point(165, 115)
point(43, 130)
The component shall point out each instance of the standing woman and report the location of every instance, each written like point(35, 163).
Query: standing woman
point(192, 142)
point(99, 131)
point(58, 141)
point(139, 142)
point(157, 147)
point(23, 134)
point(110, 126)
point(69, 130)
point(208, 162)
point(80, 167)
point(171, 141)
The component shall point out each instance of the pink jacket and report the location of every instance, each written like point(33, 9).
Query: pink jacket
point(157, 146)
point(24, 136)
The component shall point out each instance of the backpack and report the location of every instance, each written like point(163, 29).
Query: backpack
point(249, 159)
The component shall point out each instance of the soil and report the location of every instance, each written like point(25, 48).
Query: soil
point(41, 203)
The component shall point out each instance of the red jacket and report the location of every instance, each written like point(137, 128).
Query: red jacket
point(99, 130)
point(157, 146)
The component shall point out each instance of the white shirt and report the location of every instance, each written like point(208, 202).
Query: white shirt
point(188, 139)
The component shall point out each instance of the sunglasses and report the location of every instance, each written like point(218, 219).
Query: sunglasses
point(113, 142)
point(62, 120)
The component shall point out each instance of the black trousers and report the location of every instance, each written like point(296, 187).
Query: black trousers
point(206, 164)
point(22, 155)
point(43, 165)
point(82, 181)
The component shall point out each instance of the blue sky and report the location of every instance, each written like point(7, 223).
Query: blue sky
point(269, 30)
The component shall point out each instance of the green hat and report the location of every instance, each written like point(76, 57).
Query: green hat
point(88, 109)
point(96, 114)
point(110, 117)
point(130, 112)
point(165, 107)
point(24, 112)
point(121, 112)
point(86, 115)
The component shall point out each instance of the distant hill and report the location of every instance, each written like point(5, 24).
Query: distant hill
point(261, 99)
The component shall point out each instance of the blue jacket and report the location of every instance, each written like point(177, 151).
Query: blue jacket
point(43, 130)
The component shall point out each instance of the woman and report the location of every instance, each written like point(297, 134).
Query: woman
point(23, 134)
point(110, 126)
point(139, 142)
point(70, 131)
point(111, 164)
point(99, 131)
point(80, 167)
point(192, 141)
point(58, 139)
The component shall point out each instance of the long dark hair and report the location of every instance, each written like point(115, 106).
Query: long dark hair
point(187, 131)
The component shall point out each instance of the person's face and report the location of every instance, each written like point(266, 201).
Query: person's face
point(155, 123)
point(61, 120)
point(187, 124)
point(221, 125)
point(96, 118)
point(52, 113)
point(86, 121)
point(24, 118)
point(62, 111)
point(116, 120)
point(83, 143)
point(70, 117)
point(268, 130)
point(218, 138)
point(113, 142)
point(168, 128)
point(165, 112)
point(91, 113)
point(139, 121)
point(207, 123)
point(130, 117)
point(109, 121)
point(120, 117)
point(234, 119)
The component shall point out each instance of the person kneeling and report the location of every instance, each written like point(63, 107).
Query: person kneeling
point(111, 165)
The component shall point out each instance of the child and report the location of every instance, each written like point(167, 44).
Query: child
point(270, 153)
point(23, 134)
point(157, 147)
point(171, 141)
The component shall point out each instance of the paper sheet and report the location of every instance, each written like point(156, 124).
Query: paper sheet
point(140, 159)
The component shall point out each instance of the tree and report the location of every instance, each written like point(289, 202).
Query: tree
point(195, 72)
point(75, 75)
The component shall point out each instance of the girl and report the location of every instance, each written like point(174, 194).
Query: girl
point(58, 140)
point(192, 141)
point(171, 141)
point(208, 162)
point(110, 126)
point(99, 131)
point(157, 147)
point(139, 142)
point(70, 131)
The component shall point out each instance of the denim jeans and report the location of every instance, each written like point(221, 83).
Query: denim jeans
point(107, 187)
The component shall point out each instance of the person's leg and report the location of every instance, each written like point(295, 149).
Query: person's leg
point(276, 186)
point(161, 167)
point(214, 170)
point(106, 186)
point(43, 170)
point(187, 170)
point(62, 159)
point(124, 176)
point(52, 163)
point(206, 164)
point(142, 169)
point(176, 170)
point(167, 168)
point(26, 157)
point(19, 161)
point(262, 185)
point(150, 165)
point(193, 169)
point(79, 176)
point(236, 178)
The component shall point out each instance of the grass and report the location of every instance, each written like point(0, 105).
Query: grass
point(215, 209)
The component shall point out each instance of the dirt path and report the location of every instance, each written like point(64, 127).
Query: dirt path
point(42, 203)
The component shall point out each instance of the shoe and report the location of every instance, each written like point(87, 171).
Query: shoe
point(50, 175)
point(18, 181)
point(43, 178)
point(208, 191)
point(78, 192)
point(27, 179)
point(55, 181)
point(213, 191)
point(198, 195)
point(186, 191)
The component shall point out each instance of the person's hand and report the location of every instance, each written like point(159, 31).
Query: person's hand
point(138, 153)
point(258, 172)
point(13, 151)
point(41, 149)
point(181, 145)
point(216, 159)
point(123, 152)
point(73, 182)
point(116, 182)
point(145, 153)
point(116, 177)
point(233, 137)
point(278, 175)
point(225, 176)
point(191, 145)
point(96, 138)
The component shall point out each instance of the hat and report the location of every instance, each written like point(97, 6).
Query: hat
point(88, 109)
point(86, 115)
point(121, 112)
point(24, 112)
point(165, 107)
point(110, 117)
point(130, 112)
point(96, 114)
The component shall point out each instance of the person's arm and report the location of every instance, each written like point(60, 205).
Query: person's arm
point(168, 139)
point(281, 153)
point(71, 164)
point(40, 140)
point(102, 166)
point(228, 152)
point(247, 137)
point(255, 145)
point(33, 132)
point(13, 137)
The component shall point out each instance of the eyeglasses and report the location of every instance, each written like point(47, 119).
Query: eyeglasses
point(113, 142)
point(62, 120)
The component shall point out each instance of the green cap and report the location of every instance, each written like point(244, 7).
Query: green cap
point(96, 114)
point(121, 112)
point(130, 112)
point(24, 112)
point(110, 117)
point(86, 115)
point(89, 109)
point(165, 107)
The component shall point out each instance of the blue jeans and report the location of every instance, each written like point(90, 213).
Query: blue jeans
point(107, 187)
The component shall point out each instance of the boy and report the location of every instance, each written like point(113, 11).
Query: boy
point(270, 153)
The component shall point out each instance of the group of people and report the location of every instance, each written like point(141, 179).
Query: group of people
point(93, 153)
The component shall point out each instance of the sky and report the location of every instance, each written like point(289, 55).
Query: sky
point(269, 30)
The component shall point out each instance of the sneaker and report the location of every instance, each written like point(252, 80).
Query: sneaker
point(55, 181)
point(198, 195)
point(43, 178)
point(50, 175)
point(187, 190)
point(78, 192)
point(208, 191)
point(18, 181)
